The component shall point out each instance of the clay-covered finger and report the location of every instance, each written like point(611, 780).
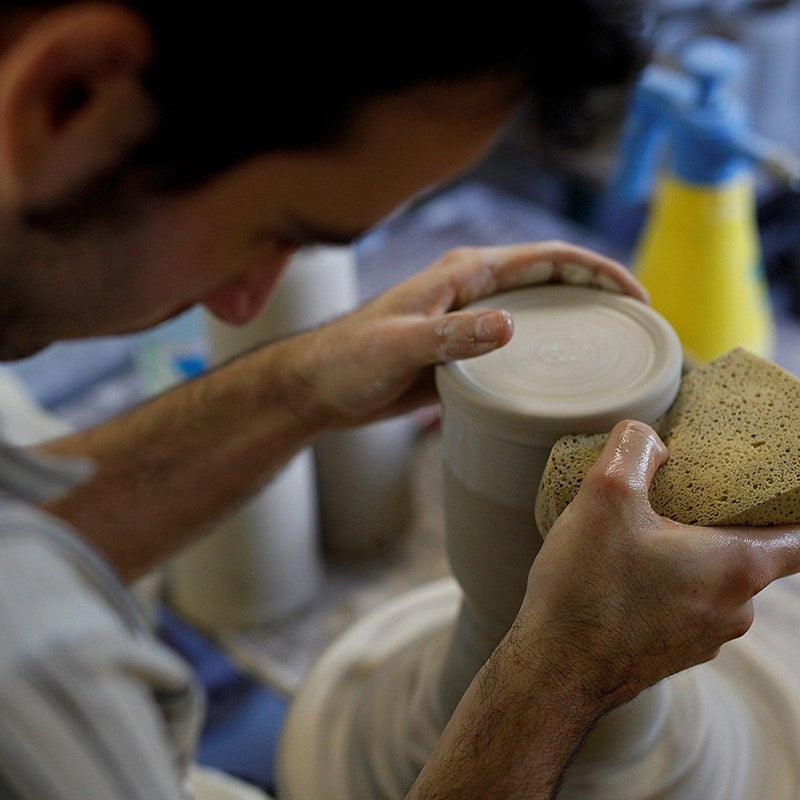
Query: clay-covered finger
point(547, 262)
point(462, 335)
point(467, 274)
point(559, 262)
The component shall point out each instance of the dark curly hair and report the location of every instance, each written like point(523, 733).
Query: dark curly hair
point(216, 61)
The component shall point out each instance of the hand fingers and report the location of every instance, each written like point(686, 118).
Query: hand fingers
point(563, 263)
point(467, 274)
point(629, 461)
point(455, 336)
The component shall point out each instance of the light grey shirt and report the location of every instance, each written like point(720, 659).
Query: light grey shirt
point(91, 705)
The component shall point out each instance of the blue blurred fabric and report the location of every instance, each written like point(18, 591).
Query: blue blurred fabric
point(66, 369)
point(244, 718)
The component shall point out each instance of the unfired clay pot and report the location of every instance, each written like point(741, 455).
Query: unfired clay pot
point(373, 708)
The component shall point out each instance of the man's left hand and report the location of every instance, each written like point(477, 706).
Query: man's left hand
point(378, 361)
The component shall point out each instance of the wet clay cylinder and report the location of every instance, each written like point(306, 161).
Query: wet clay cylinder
point(580, 361)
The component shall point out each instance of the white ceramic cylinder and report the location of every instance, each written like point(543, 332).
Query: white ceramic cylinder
point(319, 283)
point(260, 563)
point(364, 486)
point(363, 474)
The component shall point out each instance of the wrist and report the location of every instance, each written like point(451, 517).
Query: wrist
point(561, 680)
point(516, 729)
point(287, 377)
point(324, 384)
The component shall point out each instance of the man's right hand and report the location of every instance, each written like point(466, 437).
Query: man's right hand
point(620, 597)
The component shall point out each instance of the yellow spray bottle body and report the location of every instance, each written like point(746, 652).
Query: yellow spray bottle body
point(699, 252)
point(699, 258)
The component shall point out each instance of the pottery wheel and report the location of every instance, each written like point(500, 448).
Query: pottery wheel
point(737, 717)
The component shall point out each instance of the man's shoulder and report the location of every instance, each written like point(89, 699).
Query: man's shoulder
point(73, 638)
point(47, 591)
point(60, 602)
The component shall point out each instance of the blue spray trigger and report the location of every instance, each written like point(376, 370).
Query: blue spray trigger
point(648, 129)
point(691, 122)
point(190, 365)
point(714, 64)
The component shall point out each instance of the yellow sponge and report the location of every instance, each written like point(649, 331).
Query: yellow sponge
point(733, 435)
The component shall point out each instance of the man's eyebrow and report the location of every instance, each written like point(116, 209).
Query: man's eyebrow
point(303, 233)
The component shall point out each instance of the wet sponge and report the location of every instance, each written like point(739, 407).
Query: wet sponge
point(733, 434)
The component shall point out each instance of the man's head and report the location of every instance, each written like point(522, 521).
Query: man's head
point(153, 156)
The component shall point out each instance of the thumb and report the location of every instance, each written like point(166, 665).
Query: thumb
point(775, 552)
point(464, 334)
point(629, 461)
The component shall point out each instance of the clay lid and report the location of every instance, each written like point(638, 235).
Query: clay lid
point(580, 360)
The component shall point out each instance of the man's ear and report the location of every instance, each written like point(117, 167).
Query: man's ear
point(71, 101)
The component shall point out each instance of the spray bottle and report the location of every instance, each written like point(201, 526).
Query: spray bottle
point(699, 254)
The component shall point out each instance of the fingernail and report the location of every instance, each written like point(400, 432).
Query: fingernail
point(609, 284)
point(540, 272)
point(576, 274)
point(490, 326)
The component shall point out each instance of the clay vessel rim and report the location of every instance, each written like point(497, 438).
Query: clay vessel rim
point(545, 418)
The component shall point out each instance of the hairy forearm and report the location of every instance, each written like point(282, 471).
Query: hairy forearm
point(169, 467)
point(513, 734)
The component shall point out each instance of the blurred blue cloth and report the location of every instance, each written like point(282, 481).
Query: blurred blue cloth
point(66, 369)
point(244, 718)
